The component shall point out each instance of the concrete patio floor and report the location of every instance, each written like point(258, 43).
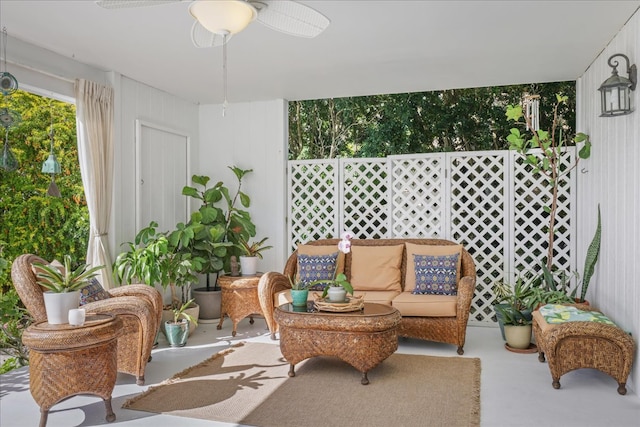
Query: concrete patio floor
point(516, 389)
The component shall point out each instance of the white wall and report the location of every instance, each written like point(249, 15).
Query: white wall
point(251, 136)
point(135, 100)
point(612, 179)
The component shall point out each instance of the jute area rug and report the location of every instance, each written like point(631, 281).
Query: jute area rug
point(248, 384)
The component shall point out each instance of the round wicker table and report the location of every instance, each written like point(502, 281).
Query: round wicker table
point(362, 338)
point(66, 360)
point(239, 299)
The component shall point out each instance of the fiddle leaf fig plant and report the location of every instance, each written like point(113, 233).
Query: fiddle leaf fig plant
point(214, 231)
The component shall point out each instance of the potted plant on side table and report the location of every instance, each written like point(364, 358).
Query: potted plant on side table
point(63, 284)
point(251, 253)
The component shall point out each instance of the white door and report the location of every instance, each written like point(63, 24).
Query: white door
point(162, 169)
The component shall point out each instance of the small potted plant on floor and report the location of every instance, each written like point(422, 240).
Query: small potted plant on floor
point(517, 326)
point(177, 329)
point(63, 284)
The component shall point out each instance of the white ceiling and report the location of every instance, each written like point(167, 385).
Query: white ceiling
point(370, 47)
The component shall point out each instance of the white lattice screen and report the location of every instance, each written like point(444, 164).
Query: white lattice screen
point(488, 201)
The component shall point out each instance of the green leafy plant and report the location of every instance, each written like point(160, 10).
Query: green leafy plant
point(179, 312)
point(213, 233)
point(512, 315)
point(67, 281)
point(593, 253)
point(152, 259)
point(14, 319)
point(552, 145)
point(299, 285)
point(254, 249)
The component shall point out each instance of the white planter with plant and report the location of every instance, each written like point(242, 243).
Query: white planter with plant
point(63, 286)
point(251, 252)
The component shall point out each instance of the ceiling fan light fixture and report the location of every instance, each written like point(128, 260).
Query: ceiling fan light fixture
point(220, 16)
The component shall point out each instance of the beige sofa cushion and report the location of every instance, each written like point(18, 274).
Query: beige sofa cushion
point(376, 268)
point(380, 297)
point(413, 249)
point(425, 305)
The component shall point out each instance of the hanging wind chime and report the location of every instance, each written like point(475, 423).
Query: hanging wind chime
point(8, 118)
point(532, 111)
point(52, 166)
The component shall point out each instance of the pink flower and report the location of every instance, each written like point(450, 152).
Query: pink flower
point(344, 246)
point(347, 235)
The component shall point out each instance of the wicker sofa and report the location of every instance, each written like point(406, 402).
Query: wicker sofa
point(440, 318)
point(138, 306)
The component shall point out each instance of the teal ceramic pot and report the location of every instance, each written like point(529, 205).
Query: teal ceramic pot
point(177, 333)
point(299, 297)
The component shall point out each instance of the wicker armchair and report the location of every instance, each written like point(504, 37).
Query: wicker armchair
point(450, 330)
point(138, 306)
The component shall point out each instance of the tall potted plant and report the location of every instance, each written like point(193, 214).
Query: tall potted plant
point(213, 233)
point(552, 145)
point(153, 260)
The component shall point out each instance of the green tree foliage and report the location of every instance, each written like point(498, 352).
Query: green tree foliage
point(421, 122)
point(31, 221)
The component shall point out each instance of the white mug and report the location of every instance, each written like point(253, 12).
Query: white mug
point(77, 316)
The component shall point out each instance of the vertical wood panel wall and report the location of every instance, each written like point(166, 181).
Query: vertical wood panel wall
point(612, 178)
point(135, 100)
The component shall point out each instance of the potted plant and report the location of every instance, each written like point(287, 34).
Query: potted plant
point(519, 296)
point(337, 288)
point(517, 326)
point(153, 260)
point(63, 286)
point(299, 292)
point(552, 144)
point(177, 328)
point(213, 234)
point(251, 252)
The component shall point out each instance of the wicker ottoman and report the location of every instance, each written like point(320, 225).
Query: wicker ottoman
point(67, 360)
point(363, 338)
point(575, 345)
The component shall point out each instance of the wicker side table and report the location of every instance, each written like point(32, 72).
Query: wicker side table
point(239, 298)
point(69, 360)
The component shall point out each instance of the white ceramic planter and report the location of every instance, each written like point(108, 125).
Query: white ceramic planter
point(337, 294)
point(248, 265)
point(58, 305)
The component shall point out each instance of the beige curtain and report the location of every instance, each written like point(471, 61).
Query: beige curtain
point(94, 122)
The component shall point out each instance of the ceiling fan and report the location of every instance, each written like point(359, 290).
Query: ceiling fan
point(217, 20)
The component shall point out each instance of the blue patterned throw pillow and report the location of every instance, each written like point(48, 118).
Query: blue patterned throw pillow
point(93, 292)
point(316, 267)
point(436, 274)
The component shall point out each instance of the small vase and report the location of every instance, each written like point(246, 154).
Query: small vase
point(337, 294)
point(299, 297)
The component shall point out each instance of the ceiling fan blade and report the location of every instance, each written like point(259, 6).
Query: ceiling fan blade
point(120, 4)
point(291, 17)
point(201, 37)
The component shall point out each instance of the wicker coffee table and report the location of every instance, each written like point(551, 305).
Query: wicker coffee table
point(362, 338)
point(67, 360)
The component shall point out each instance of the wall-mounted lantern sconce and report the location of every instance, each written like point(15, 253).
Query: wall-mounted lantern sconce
point(615, 92)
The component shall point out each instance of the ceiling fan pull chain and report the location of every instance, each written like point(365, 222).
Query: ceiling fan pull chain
point(224, 73)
